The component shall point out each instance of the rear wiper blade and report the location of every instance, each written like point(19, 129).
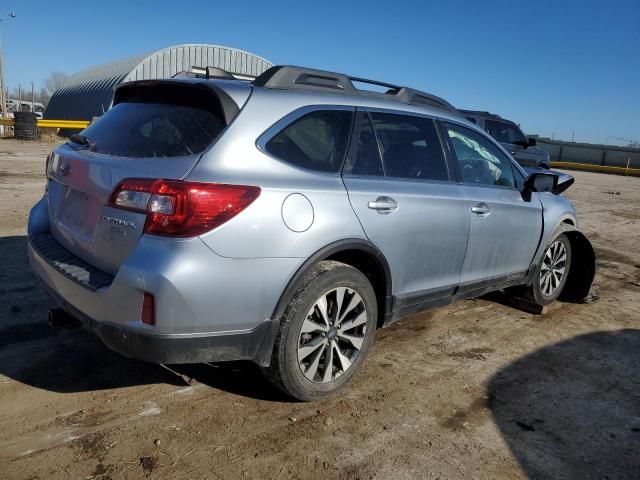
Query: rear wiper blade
point(82, 140)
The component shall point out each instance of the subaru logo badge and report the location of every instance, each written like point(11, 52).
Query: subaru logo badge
point(65, 169)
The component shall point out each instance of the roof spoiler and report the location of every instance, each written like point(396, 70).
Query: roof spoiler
point(229, 107)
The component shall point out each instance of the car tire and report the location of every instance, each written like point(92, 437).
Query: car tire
point(314, 354)
point(551, 272)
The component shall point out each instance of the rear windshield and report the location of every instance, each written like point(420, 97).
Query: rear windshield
point(158, 121)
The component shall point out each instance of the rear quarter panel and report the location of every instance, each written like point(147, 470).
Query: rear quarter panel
point(260, 231)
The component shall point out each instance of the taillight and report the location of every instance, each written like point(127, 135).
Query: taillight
point(177, 208)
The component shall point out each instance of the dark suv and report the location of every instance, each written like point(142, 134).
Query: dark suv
point(522, 148)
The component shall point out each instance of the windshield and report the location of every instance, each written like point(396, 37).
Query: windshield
point(157, 121)
point(505, 132)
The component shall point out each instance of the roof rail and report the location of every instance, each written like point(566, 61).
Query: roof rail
point(289, 77)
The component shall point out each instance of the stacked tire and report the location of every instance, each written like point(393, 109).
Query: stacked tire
point(25, 127)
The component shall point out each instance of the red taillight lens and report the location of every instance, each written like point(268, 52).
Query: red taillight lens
point(177, 208)
point(148, 314)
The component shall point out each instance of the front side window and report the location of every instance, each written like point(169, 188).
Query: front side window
point(410, 147)
point(505, 132)
point(479, 160)
point(317, 141)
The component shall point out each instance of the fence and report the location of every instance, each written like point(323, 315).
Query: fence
point(586, 156)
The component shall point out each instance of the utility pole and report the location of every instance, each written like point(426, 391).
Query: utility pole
point(3, 87)
point(33, 99)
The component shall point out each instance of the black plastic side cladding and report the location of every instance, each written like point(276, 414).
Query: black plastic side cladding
point(328, 251)
point(263, 356)
point(582, 269)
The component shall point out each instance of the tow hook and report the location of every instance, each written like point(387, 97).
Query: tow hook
point(58, 318)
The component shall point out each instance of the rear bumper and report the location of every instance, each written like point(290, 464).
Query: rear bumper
point(254, 345)
point(208, 308)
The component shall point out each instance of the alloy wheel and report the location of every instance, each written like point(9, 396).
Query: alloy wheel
point(332, 335)
point(553, 268)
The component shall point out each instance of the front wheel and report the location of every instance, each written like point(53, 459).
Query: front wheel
point(552, 272)
point(325, 332)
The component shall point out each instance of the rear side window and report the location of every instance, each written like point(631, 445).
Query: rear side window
point(159, 121)
point(317, 141)
point(410, 147)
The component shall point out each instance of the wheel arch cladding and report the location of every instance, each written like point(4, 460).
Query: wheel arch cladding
point(357, 253)
point(376, 269)
point(582, 269)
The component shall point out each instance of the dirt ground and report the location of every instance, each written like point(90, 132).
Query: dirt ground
point(473, 390)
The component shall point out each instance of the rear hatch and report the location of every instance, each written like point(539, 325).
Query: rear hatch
point(155, 129)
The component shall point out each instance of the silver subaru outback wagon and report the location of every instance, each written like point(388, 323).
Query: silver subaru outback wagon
point(285, 219)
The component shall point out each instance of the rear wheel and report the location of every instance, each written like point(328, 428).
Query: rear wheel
point(325, 332)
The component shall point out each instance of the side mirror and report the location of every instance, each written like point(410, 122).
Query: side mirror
point(541, 182)
point(532, 142)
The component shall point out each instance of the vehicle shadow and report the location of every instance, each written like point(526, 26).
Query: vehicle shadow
point(572, 409)
point(74, 360)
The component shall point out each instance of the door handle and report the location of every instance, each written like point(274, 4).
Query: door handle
point(383, 204)
point(481, 209)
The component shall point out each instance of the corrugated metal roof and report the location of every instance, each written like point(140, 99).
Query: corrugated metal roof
point(89, 92)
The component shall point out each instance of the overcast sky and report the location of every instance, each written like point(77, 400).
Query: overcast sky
point(552, 66)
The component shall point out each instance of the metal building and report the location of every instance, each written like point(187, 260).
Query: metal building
point(88, 93)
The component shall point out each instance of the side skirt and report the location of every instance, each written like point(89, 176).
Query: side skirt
point(403, 307)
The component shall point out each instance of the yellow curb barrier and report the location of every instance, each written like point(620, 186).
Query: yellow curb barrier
point(598, 168)
point(42, 123)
